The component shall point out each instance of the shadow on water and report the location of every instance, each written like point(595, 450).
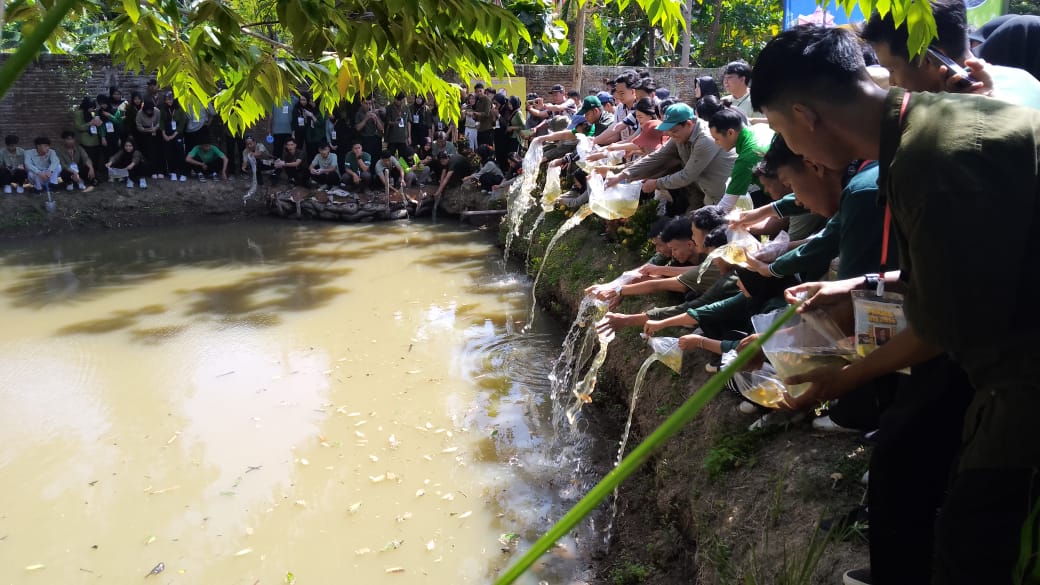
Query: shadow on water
point(292, 288)
point(118, 320)
point(77, 268)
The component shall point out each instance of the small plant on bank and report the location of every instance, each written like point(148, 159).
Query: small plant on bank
point(629, 573)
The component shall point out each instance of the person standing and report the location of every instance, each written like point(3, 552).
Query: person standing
point(369, 127)
point(421, 122)
point(149, 125)
point(397, 128)
point(173, 121)
point(736, 80)
point(281, 125)
point(485, 117)
point(90, 130)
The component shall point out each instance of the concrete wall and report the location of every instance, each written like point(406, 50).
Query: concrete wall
point(42, 100)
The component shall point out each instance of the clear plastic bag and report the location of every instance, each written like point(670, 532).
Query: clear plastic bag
point(616, 202)
point(806, 342)
point(774, 248)
point(761, 387)
point(552, 189)
point(667, 351)
point(740, 243)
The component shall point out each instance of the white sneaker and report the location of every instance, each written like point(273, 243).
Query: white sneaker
point(142, 184)
point(747, 408)
point(215, 176)
point(160, 176)
point(130, 183)
point(20, 190)
point(824, 423)
point(777, 418)
point(70, 187)
point(7, 189)
point(857, 577)
point(184, 178)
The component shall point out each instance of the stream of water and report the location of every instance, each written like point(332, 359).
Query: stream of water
point(345, 403)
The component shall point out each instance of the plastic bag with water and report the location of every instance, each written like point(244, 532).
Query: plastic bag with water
point(616, 202)
point(667, 351)
point(761, 387)
point(808, 341)
point(552, 189)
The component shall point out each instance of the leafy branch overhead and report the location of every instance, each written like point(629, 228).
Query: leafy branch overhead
point(916, 15)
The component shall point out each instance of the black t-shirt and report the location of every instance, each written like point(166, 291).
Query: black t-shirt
point(459, 165)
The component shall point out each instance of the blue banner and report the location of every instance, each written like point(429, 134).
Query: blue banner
point(809, 12)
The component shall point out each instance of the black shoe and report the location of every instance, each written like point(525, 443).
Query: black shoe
point(857, 577)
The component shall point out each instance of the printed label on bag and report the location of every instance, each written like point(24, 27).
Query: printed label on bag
point(878, 320)
point(110, 127)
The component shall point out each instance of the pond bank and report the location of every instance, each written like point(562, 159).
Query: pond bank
point(718, 504)
point(113, 206)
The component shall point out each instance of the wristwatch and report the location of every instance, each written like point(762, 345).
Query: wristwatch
point(874, 282)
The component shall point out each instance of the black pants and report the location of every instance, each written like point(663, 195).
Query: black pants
point(487, 181)
point(173, 156)
point(373, 145)
point(12, 177)
point(420, 133)
point(331, 179)
point(152, 149)
point(917, 446)
point(978, 535)
point(398, 149)
point(293, 176)
point(279, 144)
point(208, 168)
point(486, 137)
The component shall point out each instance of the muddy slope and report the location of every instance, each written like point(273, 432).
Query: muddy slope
point(718, 504)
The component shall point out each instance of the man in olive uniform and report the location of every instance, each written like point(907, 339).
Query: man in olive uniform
point(950, 166)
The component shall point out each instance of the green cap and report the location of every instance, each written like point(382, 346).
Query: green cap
point(590, 103)
point(676, 114)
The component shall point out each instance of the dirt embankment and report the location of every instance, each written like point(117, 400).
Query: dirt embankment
point(718, 504)
point(113, 205)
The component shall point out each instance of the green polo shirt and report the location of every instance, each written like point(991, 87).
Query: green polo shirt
point(752, 145)
point(854, 235)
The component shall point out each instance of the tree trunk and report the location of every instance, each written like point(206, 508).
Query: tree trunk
point(579, 47)
point(712, 43)
point(687, 36)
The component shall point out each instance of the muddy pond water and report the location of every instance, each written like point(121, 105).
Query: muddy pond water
point(268, 403)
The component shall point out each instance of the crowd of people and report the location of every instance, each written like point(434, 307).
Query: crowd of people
point(877, 165)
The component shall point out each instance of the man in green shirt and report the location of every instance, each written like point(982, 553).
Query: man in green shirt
point(730, 131)
point(949, 164)
point(206, 159)
point(357, 167)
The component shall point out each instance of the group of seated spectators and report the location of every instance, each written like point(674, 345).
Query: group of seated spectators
point(878, 165)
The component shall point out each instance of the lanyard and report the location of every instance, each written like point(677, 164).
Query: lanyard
point(887, 231)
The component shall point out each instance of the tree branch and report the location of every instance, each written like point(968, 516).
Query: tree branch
point(270, 41)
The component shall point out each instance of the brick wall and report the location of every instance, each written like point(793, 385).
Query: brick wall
point(678, 80)
point(41, 102)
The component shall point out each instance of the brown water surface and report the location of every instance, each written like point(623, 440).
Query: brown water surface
point(348, 404)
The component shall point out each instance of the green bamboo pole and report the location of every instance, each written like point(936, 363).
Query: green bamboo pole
point(640, 454)
point(32, 45)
